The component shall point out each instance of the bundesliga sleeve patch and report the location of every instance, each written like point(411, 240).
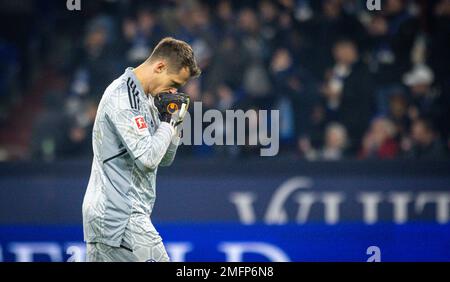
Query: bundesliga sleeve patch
point(140, 123)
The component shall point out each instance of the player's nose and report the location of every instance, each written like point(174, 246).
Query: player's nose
point(173, 90)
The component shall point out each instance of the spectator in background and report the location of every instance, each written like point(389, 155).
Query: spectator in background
point(269, 15)
point(228, 64)
point(326, 28)
point(336, 143)
point(66, 133)
point(392, 34)
point(255, 81)
point(423, 95)
point(226, 98)
point(379, 142)
point(46, 132)
point(425, 143)
point(140, 36)
point(224, 17)
point(95, 64)
point(77, 139)
point(196, 27)
point(398, 112)
point(295, 83)
point(347, 91)
point(334, 148)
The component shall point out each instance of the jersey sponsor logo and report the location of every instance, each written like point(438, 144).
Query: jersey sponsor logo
point(140, 122)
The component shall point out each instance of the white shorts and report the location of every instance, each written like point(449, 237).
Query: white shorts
point(99, 252)
point(141, 243)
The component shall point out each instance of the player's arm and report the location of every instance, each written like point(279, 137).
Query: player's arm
point(145, 149)
point(168, 158)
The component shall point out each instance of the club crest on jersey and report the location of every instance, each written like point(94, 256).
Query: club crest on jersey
point(172, 108)
point(140, 122)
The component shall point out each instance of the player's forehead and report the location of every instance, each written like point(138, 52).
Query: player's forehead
point(182, 76)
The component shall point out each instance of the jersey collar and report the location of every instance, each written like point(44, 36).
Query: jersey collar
point(130, 73)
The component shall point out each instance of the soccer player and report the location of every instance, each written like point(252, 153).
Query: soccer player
point(137, 129)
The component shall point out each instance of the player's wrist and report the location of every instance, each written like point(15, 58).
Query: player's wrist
point(170, 126)
point(177, 137)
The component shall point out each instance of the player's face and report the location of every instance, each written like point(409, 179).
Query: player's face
point(170, 81)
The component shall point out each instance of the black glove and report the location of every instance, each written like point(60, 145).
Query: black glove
point(172, 107)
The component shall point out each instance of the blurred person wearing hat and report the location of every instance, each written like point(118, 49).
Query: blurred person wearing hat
point(424, 97)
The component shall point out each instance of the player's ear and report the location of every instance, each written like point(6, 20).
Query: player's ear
point(160, 67)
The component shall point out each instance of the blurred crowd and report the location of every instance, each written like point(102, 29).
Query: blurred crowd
point(349, 82)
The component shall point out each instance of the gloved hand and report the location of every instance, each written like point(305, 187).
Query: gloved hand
point(172, 107)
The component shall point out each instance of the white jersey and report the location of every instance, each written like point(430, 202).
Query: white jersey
point(129, 143)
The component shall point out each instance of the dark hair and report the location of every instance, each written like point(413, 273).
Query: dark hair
point(178, 53)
